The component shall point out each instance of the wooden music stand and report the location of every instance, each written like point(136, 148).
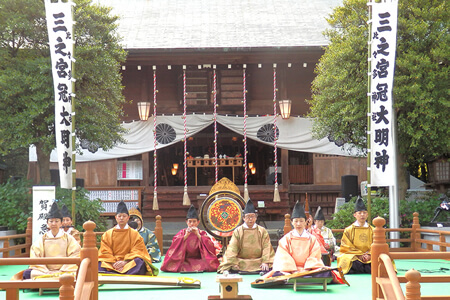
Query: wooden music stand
point(229, 288)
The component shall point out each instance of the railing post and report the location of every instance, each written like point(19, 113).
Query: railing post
point(12, 294)
point(442, 240)
point(413, 285)
point(378, 247)
point(414, 234)
point(66, 290)
point(90, 251)
point(159, 233)
point(287, 224)
point(6, 246)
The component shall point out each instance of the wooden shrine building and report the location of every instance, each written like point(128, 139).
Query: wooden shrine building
point(210, 49)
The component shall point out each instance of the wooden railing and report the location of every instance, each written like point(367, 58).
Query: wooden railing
point(384, 284)
point(20, 250)
point(23, 250)
point(87, 282)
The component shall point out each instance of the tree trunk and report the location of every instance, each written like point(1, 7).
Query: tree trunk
point(402, 177)
point(43, 162)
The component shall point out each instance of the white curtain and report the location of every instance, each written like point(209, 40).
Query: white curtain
point(294, 134)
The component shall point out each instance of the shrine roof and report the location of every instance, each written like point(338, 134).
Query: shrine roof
point(199, 24)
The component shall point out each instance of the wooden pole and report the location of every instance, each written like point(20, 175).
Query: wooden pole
point(378, 247)
point(306, 206)
point(29, 236)
point(287, 223)
point(369, 113)
point(285, 182)
point(66, 290)
point(90, 251)
point(159, 233)
point(74, 139)
point(413, 285)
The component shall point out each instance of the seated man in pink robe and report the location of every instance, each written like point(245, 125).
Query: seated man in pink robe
point(191, 250)
point(298, 250)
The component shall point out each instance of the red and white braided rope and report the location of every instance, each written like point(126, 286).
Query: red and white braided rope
point(275, 123)
point(155, 167)
point(244, 97)
point(215, 126)
point(184, 123)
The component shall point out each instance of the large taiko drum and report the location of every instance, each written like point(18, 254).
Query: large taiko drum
point(221, 213)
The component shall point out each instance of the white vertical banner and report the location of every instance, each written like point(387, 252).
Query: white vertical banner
point(383, 48)
point(60, 35)
point(43, 198)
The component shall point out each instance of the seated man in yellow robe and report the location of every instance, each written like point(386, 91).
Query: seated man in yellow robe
point(67, 224)
point(54, 243)
point(122, 249)
point(355, 244)
point(249, 249)
point(298, 250)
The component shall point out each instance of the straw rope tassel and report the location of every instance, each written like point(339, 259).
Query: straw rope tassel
point(155, 201)
point(186, 200)
point(155, 161)
point(246, 196)
point(276, 193)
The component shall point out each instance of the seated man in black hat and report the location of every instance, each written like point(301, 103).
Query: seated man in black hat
point(327, 234)
point(67, 224)
point(298, 250)
point(250, 249)
point(122, 249)
point(149, 237)
point(355, 244)
point(54, 243)
point(191, 250)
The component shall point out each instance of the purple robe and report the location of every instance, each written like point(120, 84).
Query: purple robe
point(192, 254)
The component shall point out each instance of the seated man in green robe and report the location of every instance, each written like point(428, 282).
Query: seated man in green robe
point(149, 237)
point(249, 249)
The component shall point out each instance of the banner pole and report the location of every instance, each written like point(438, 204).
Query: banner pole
point(74, 171)
point(369, 113)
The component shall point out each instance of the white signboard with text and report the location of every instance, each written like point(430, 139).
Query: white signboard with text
point(43, 198)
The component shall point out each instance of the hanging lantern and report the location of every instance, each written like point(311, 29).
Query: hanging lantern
point(250, 166)
point(144, 110)
point(253, 170)
point(175, 166)
point(285, 108)
point(174, 171)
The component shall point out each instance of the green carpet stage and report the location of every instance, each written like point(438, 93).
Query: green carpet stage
point(360, 286)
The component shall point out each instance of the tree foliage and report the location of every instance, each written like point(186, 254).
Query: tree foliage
point(421, 94)
point(425, 205)
point(16, 206)
point(86, 210)
point(26, 89)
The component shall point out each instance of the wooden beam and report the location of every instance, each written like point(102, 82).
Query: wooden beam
point(224, 56)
